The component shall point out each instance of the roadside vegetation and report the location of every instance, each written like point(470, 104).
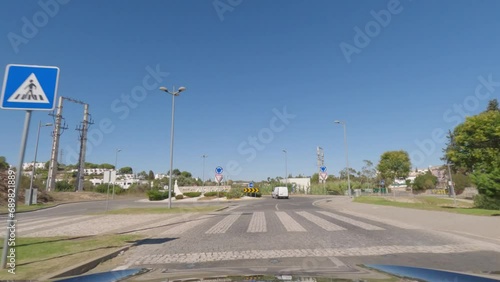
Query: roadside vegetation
point(41, 258)
point(428, 203)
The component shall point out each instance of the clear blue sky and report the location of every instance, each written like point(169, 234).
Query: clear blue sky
point(242, 63)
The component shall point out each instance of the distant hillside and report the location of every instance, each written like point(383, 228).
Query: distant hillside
point(43, 197)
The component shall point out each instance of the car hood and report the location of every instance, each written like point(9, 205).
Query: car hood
point(373, 272)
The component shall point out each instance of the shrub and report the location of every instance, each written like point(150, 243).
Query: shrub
point(156, 195)
point(214, 194)
point(179, 197)
point(103, 188)
point(484, 202)
point(62, 186)
point(234, 194)
point(192, 194)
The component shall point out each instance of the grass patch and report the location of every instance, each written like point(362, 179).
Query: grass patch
point(165, 210)
point(428, 203)
point(41, 257)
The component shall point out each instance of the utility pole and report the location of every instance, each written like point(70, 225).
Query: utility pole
point(51, 179)
point(83, 146)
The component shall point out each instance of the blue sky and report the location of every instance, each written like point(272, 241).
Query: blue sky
point(413, 77)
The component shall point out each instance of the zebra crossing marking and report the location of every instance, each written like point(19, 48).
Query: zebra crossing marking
point(325, 224)
point(351, 221)
point(289, 223)
point(223, 225)
point(257, 223)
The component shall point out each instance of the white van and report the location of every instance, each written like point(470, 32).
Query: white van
point(280, 192)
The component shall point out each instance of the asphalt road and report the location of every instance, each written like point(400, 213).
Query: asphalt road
point(270, 236)
point(296, 236)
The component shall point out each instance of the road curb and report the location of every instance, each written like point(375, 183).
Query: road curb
point(86, 266)
point(91, 264)
point(56, 205)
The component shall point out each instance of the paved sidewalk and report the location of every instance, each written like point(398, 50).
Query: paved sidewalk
point(486, 227)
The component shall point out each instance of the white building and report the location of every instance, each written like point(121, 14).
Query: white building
point(92, 171)
point(123, 180)
point(29, 166)
point(300, 184)
point(161, 175)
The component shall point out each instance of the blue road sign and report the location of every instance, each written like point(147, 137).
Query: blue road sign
point(323, 169)
point(218, 170)
point(29, 87)
point(250, 185)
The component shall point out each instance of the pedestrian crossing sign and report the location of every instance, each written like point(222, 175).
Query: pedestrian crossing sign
point(28, 87)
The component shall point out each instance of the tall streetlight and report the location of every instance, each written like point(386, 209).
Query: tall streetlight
point(30, 197)
point(286, 169)
point(174, 93)
point(346, 156)
point(116, 169)
point(204, 157)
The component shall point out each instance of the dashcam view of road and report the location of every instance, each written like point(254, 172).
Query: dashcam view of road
point(235, 140)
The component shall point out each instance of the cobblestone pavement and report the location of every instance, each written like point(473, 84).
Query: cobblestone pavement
point(262, 230)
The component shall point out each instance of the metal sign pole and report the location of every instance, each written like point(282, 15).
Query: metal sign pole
point(11, 217)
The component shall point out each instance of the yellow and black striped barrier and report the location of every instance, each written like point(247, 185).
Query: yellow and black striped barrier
point(251, 190)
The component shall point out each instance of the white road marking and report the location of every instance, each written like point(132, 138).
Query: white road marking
point(381, 220)
point(257, 223)
point(325, 224)
point(351, 221)
point(289, 223)
point(224, 224)
point(183, 227)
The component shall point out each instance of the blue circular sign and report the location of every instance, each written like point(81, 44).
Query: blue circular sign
point(323, 169)
point(218, 170)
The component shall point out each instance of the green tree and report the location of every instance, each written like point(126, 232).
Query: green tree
point(461, 182)
point(394, 164)
point(142, 175)
point(3, 163)
point(368, 173)
point(186, 174)
point(425, 181)
point(106, 166)
point(91, 165)
point(151, 175)
point(488, 185)
point(353, 174)
point(493, 105)
point(474, 147)
point(126, 170)
point(475, 144)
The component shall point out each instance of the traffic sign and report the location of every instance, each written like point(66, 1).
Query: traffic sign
point(28, 87)
point(218, 177)
point(219, 170)
point(323, 168)
point(250, 185)
point(323, 175)
point(251, 190)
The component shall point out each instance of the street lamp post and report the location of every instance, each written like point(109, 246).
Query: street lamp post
point(30, 197)
point(174, 93)
point(286, 168)
point(204, 157)
point(116, 169)
point(346, 157)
